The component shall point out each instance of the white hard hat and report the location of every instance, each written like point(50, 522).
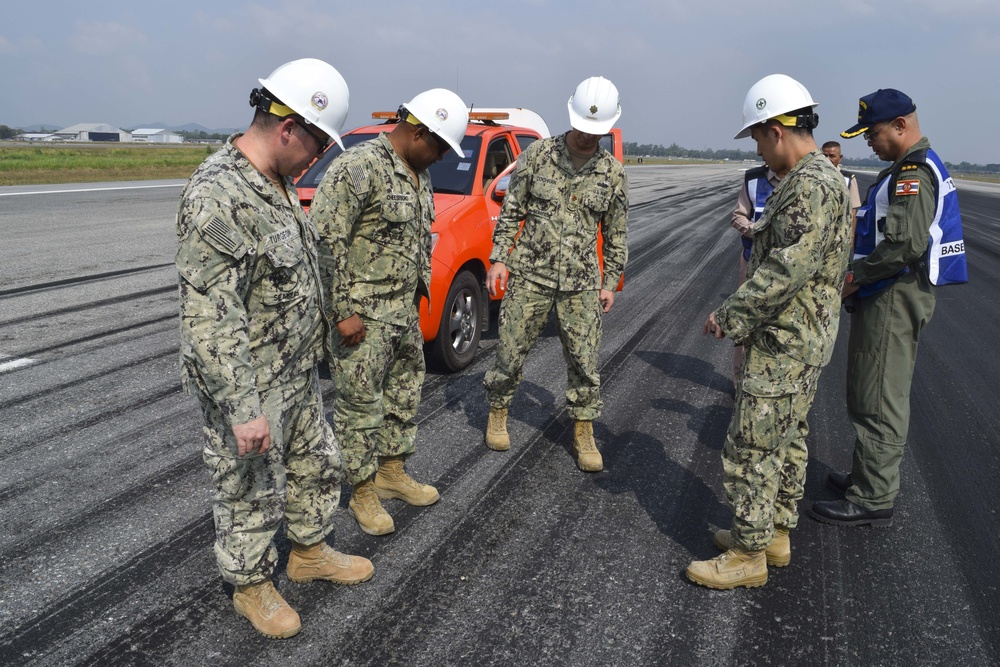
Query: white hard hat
point(444, 113)
point(595, 106)
point(312, 89)
point(774, 96)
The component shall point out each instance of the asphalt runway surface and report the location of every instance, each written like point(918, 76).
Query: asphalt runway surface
point(106, 531)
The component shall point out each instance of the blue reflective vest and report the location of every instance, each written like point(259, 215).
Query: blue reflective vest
point(759, 189)
point(945, 263)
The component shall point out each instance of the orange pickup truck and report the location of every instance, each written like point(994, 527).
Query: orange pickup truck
point(467, 206)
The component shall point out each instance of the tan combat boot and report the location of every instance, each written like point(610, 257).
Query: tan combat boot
point(266, 610)
point(320, 561)
point(588, 459)
point(496, 430)
point(778, 552)
point(391, 481)
point(730, 570)
point(366, 508)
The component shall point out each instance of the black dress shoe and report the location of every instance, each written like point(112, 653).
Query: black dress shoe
point(839, 481)
point(846, 513)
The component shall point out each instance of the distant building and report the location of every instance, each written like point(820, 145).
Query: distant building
point(159, 136)
point(92, 132)
point(35, 136)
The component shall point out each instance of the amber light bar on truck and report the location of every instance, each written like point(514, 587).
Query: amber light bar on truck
point(474, 115)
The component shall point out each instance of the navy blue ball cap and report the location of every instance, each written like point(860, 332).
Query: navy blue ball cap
point(882, 105)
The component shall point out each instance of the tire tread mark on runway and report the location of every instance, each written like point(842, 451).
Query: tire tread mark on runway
point(70, 282)
point(91, 305)
point(89, 601)
point(42, 436)
point(48, 391)
point(96, 336)
point(133, 495)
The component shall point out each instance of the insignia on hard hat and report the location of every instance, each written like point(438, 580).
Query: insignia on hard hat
point(442, 114)
point(761, 103)
point(320, 100)
point(593, 108)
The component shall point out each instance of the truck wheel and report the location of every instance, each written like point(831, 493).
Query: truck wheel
point(461, 324)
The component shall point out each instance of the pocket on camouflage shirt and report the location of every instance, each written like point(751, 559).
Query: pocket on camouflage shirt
point(543, 201)
point(281, 282)
point(598, 200)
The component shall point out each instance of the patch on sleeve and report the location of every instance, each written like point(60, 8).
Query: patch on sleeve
point(359, 176)
point(907, 187)
point(223, 238)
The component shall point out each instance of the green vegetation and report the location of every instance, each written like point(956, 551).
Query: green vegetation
point(32, 164)
point(35, 164)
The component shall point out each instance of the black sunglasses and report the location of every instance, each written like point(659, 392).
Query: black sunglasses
point(322, 143)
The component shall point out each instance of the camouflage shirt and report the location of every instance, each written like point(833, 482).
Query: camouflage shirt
point(562, 211)
point(249, 284)
point(375, 234)
point(801, 246)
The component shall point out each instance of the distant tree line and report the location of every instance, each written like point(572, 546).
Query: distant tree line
point(8, 132)
point(634, 149)
point(201, 135)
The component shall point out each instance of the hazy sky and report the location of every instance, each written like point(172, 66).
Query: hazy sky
point(682, 66)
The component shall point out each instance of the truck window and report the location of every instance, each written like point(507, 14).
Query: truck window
point(498, 156)
point(525, 140)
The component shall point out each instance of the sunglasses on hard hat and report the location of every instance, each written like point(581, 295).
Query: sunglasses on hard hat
point(443, 146)
point(323, 144)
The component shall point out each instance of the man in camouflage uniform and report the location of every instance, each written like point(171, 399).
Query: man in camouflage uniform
point(374, 211)
point(786, 316)
point(566, 189)
point(252, 333)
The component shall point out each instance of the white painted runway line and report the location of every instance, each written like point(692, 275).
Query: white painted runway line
point(9, 363)
point(106, 189)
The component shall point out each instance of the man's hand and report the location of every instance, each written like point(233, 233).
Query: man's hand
point(607, 298)
point(254, 437)
point(352, 330)
point(497, 272)
point(743, 226)
point(712, 327)
point(849, 289)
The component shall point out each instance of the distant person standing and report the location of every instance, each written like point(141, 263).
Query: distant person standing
point(908, 240)
point(831, 150)
point(252, 334)
point(786, 315)
point(566, 189)
point(758, 183)
point(374, 211)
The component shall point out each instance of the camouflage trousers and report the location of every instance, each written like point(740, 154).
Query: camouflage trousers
point(764, 458)
point(378, 393)
point(297, 479)
point(524, 312)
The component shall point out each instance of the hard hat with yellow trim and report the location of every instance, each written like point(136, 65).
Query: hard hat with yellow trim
point(773, 97)
point(443, 113)
point(595, 106)
point(309, 88)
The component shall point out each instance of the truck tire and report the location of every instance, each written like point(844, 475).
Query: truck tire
point(461, 324)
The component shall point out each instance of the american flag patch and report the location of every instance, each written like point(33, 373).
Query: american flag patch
point(907, 187)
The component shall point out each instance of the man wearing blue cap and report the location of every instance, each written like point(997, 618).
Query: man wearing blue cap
point(908, 240)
